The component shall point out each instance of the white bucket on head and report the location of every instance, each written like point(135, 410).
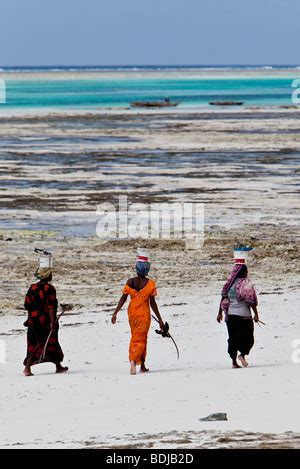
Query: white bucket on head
point(142, 254)
point(45, 261)
point(241, 255)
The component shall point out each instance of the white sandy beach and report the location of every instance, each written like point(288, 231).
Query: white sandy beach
point(98, 404)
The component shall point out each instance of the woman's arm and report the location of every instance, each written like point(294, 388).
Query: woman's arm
point(254, 308)
point(154, 308)
point(220, 315)
point(121, 303)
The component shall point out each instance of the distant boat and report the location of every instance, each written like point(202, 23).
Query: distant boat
point(226, 103)
point(165, 103)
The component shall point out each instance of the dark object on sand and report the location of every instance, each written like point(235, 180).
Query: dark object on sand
point(66, 306)
point(165, 103)
point(214, 417)
point(165, 333)
point(226, 103)
point(287, 106)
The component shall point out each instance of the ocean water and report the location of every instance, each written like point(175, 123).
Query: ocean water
point(113, 87)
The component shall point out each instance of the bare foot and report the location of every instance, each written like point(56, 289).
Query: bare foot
point(27, 372)
point(235, 365)
point(243, 360)
point(143, 368)
point(132, 367)
point(62, 369)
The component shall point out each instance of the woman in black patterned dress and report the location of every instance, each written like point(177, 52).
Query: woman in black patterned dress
point(41, 304)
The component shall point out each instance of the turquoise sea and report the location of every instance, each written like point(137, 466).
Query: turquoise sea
point(103, 87)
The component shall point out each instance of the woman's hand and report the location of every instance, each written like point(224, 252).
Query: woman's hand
point(256, 318)
point(219, 317)
point(161, 324)
point(114, 318)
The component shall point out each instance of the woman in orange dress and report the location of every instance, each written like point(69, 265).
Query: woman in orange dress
point(142, 292)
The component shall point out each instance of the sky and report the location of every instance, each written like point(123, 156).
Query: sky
point(140, 32)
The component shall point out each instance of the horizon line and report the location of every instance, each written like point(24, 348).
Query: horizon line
point(158, 65)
